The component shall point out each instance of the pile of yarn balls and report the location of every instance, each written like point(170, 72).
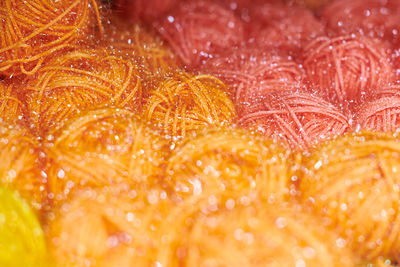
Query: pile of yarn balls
point(199, 133)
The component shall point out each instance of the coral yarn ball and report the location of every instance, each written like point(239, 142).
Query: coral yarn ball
point(196, 29)
point(247, 235)
point(347, 69)
point(250, 74)
point(77, 81)
point(103, 147)
point(231, 163)
point(31, 31)
point(299, 119)
point(289, 33)
point(186, 103)
point(262, 13)
point(21, 236)
point(353, 183)
point(380, 115)
point(373, 18)
point(22, 165)
point(111, 226)
point(143, 10)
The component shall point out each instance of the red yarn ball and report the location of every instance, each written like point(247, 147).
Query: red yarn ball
point(196, 29)
point(251, 73)
point(143, 10)
point(381, 115)
point(347, 69)
point(373, 18)
point(299, 118)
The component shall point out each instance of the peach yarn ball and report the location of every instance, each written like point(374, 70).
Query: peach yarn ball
point(103, 147)
point(232, 163)
point(110, 226)
point(353, 183)
point(247, 235)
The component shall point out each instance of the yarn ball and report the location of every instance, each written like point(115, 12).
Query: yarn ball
point(314, 5)
point(236, 5)
point(21, 165)
point(289, 33)
point(154, 59)
point(229, 162)
point(247, 235)
point(262, 13)
point(103, 147)
point(347, 69)
point(21, 237)
point(299, 119)
point(76, 81)
point(10, 106)
point(143, 10)
point(380, 115)
point(196, 29)
point(31, 31)
point(110, 226)
point(185, 103)
point(250, 74)
point(353, 183)
point(373, 18)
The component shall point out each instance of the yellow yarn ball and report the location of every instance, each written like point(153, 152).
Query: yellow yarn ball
point(21, 237)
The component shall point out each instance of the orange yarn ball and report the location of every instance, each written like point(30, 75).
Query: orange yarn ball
point(231, 163)
point(22, 164)
point(103, 147)
point(257, 235)
point(298, 118)
point(31, 31)
point(185, 103)
point(10, 106)
point(353, 183)
point(77, 81)
point(154, 59)
point(347, 69)
point(107, 227)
